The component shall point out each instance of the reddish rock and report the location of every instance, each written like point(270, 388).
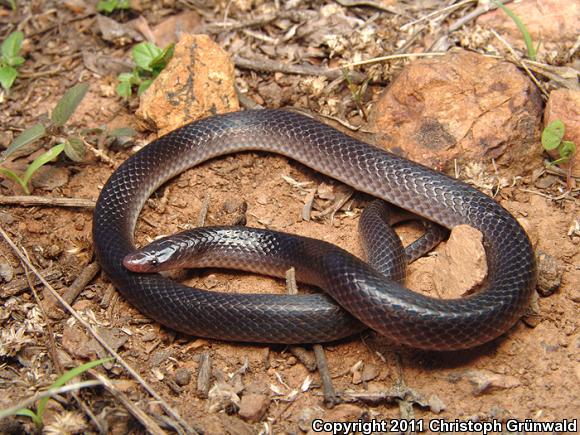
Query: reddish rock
point(461, 266)
point(253, 406)
point(564, 104)
point(554, 23)
point(461, 106)
point(197, 82)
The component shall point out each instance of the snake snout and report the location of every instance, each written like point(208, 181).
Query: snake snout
point(140, 262)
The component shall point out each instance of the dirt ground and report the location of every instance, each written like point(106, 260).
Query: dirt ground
point(533, 371)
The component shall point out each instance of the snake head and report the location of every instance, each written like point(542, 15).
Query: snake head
point(156, 257)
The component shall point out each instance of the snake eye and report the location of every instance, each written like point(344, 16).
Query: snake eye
point(154, 262)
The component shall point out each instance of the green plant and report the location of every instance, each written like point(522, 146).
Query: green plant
point(357, 91)
point(10, 59)
point(552, 140)
point(109, 6)
point(71, 142)
point(37, 415)
point(150, 61)
point(532, 51)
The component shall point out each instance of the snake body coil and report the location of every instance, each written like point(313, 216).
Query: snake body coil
point(401, 315)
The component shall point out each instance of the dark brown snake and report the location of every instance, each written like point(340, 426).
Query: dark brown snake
point(384, 305)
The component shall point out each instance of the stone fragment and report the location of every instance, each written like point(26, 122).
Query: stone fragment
point(253, 406)
point(197, 82)
point(549, 274)
point(486, 380)
point(461, 266)
point(182, 376)
point(554, 23)
point(50, 177)
point(461, 107)
point(564, 104)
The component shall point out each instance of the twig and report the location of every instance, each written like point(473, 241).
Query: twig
point(437, 12)
point(484, 9)
point(203, 212)
point(388, 57)
point(329, 394)
point(371, 4)
point(268, 65)
point(204, 375)
point(78, 285)
point(553, 198)
point(253, 22)
point(23, 200)
point(97, 337)
point(143, 418)
point(330, 398)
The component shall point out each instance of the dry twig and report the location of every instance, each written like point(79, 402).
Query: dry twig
point(26, 200)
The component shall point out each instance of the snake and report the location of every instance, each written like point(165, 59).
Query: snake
point(355, 293)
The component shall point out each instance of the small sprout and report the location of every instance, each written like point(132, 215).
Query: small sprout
point(109, 6)
point(552, 140)
point(10, 59)
point(40, 161)
point(150, 61)
point(37, 415)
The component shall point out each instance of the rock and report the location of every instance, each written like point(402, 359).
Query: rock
point(549, 274)
point(169, 30)
point(118, 33)
point(554, 23)
point(462, 264)
point(78, 344)
point(564, 104)
point(486, 380)
point(182, 376)
point(50, 177)
point(6, 272)
point(253, 406)
point(370, 372)
point(197, 82)
point(461, 107)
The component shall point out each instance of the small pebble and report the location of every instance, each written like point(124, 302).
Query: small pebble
point(182, 376)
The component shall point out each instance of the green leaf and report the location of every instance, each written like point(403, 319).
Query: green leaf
point(67, 376)
point(567, 148)
point(144, 53)
point(122, 132)
point(553, 134)
point(68, 104)
point(75, 149)
point(15, 61)
point(7, 76)
point(41, 160)
point(28, 136)
point(144, 86)
point(109, 6)
point(124, 90)
point(11, 175)
point(125, 77)
point(28, 413)
point(163, 58)
point(11, 45)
